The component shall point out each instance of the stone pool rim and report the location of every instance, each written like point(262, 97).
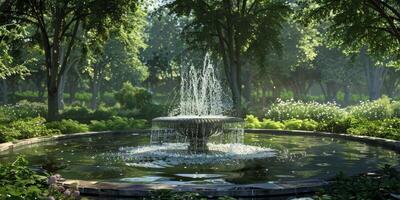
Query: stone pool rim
point(280, 188)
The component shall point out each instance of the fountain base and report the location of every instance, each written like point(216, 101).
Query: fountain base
point(197, 131)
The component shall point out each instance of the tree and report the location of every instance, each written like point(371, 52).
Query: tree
point(233, 29)
point(118, 59)
point(166, 50)
point(355, 24)
point(9, 36)
point(58, 21)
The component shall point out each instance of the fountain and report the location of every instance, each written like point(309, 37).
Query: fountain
point(199, 114)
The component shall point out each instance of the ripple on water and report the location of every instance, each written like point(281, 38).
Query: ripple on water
point(172, 154)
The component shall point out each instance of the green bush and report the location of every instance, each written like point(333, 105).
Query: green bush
point(286, 110)
point(67, 126)
point(150, 111)
point(336, 126)
point(25, 128)
point(17, 181)
point(78, 113)
point(293, 124)
point(396, 109)
point(108, 98)
point(387, 128)
point(102, 114)
point(252, 122)
point(83, 96)
point(85, 115)
point(269, 124)
point(22, 110)
point(118, 123)
point(372, 110)
point(133, 97)
point(309, 125)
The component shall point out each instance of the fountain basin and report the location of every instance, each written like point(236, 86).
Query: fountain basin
point(196, 130)
point(303, 162)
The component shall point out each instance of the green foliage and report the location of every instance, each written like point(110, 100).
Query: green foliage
point(285, 110)
point(387, 128)
point(369, 26)
point(118, 124)
point(78, 113)
point(269, 124)
point(83, 96)
point(25, 128)
point(17, 181)
point(252, 121)
point(373, 110)
point(293, 124)
point(309, 125)
point(396, 109)
point(336, 125)
point(22, 110)
point(365, 187)
point(85, 115)
point(67, 126)
point(150, 111)
point(8, 66)
point(133, 97)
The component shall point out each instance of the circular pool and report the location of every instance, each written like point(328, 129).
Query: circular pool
point(275, 157)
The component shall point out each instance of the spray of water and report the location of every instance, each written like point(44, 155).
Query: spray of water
point(201, 93)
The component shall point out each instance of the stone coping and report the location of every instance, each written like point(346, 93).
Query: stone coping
point(21, 143)
point(270, 189)
point(197, 119)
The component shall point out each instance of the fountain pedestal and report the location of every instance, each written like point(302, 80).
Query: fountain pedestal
point(195, 129)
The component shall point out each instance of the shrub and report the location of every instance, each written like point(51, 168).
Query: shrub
point(309, 125)
point(17, 181)
point(133, 97)
point(22, 110)
point(8, 134)
point(117, 123)
point(396, 109)
point(286, 110)
point(372, 110)
point(85, 115)
point(83, 96)
point(102, 114)
point(388, 128)
point(108, 98)
point(252, 122)
point(78, 113)
point(336, 126)
point(67, 126)
point(26, 128)
point(293, 124)
point(150, 111)
point(269, 124)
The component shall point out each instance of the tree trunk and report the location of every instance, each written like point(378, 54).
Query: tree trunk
point(4, 91)
point(347, 94)
point(332, 89)
point(247, 85)
point(97, 80)
point(61, 92)
point(375, 76)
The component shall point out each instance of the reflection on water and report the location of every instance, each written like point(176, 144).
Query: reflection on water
point(296, 157)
